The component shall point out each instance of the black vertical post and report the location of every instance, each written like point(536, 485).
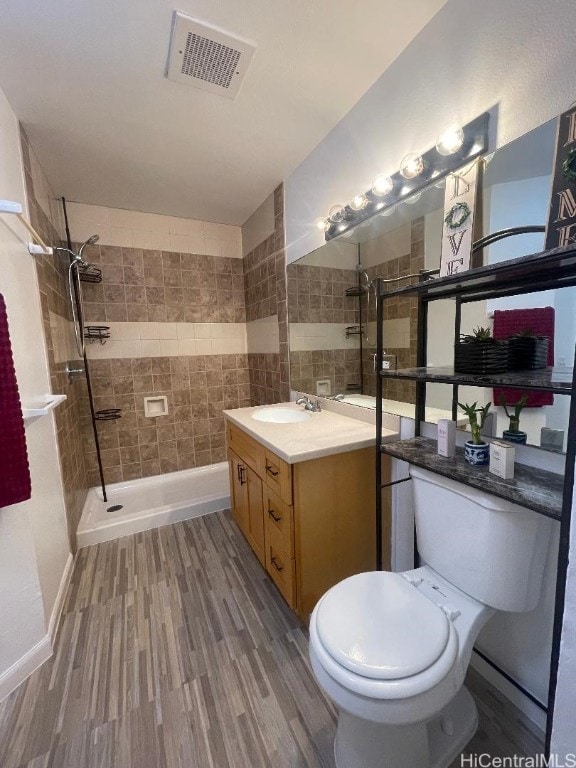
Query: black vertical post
point(421, 345)
point(563, 557)
point(360, 302)
point(86, 368)
point(457, 328)
point(378, 456)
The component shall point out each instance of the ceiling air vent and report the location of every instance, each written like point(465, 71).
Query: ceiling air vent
point(207, 57)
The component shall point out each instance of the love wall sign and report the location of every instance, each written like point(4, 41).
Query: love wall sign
point(459, 201)
point(561, 228)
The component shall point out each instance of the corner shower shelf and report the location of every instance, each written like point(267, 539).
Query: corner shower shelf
point(531, 488)
point(557, 380)
point(51, 402)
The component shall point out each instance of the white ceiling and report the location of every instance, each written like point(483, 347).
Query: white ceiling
point(87, 80)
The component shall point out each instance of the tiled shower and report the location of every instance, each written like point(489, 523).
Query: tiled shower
point(185, 315)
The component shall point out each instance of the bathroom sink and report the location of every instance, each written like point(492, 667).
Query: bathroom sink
point(281, 415)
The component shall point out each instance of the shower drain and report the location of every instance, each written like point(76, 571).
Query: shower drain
point(115, 508)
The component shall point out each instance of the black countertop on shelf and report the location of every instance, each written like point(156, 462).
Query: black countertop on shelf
point(535, 489)
point(558, 380)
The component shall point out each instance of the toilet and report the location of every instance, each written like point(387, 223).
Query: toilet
point(391, 650)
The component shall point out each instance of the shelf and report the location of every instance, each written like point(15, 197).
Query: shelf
point(51, 402)
point(532, 488)
point(557, 380)
point(540, 271)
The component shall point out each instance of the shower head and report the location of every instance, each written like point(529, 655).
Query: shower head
point(364, 276)
point(92, 240)
point(77, 257)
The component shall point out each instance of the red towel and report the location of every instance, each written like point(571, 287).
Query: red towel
point(15, 483)
point(540, 321)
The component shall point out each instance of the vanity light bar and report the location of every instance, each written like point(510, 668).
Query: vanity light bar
point(416, 173)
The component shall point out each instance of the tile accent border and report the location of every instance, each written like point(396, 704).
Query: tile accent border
point(134, 340)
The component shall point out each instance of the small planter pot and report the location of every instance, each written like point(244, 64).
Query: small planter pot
point(514, 437)
point(527, 353)
point(477, 455)
point(481, 357)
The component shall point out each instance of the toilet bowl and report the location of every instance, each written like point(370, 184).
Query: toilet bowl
point(391, 650)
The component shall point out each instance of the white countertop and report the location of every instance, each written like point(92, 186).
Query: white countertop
point(323, 434)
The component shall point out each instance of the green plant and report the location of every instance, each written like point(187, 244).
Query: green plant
point(515, 417)
point(478, 335)
point(477, 418)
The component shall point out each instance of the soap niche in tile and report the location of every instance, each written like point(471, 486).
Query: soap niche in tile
point(156, 406)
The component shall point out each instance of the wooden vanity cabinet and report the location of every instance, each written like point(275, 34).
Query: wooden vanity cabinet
point(311, 524)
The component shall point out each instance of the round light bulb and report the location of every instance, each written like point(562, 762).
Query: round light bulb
point(358, 202)
point(382, 185)
point(336, 214)
point(322, 224)
point(411, 166)
point(450, 140)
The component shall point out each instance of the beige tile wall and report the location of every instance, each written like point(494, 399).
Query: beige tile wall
point(398, 309)
point(197, 388)
point(149, 231)
point(265, 297)
point(47, 218)
point(162, 286)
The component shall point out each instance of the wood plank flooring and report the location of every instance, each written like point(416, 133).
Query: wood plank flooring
point(176, 651)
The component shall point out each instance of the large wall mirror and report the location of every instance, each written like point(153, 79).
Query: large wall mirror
point(332, 314)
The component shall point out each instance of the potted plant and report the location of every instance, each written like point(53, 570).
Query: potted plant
point(513, 433)
point(478, 352)
point(527, 351)
point(476, 451)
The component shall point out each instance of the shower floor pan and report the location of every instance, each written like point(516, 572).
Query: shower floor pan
point(139, 505)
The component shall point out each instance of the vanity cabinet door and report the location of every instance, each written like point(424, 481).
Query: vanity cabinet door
point(255, 523)
point(238, 491)
point(247, 503)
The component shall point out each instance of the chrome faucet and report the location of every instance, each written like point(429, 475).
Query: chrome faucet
point(309, 405)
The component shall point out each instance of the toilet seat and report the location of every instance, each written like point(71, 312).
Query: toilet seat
point(423, 668)
point(378, 626)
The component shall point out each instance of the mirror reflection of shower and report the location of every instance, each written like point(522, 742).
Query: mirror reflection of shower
point(365, 285)
point(78, 265)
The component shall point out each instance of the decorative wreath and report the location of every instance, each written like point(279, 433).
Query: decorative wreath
point(457, 215)
point(569, 166)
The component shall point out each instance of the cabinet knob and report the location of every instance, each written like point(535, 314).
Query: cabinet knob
point(271, 471)
point(273, 516)
point(241, 477)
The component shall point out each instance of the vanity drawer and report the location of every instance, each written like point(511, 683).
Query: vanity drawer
point(279, 516)
point(278, 476)
point(250, 451)
point(280, 566)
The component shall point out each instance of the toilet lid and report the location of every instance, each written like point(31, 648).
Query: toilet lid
point(380, 626)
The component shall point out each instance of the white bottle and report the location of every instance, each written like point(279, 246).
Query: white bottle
point(446, 438)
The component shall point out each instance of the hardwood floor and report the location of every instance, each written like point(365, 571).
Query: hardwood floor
point(176, 651)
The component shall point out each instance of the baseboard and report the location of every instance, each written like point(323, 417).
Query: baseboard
point(23, 668)
point(60, 597)
point(519, 699)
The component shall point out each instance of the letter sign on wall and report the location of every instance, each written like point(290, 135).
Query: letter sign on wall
point(561, 229)
point(458, 220)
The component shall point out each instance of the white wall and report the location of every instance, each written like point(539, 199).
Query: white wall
point(515, 59)
point(33, 540)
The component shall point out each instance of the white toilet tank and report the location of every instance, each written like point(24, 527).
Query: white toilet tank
point(491, 549)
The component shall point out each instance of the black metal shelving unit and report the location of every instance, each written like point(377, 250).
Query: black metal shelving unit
point(538, 272)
